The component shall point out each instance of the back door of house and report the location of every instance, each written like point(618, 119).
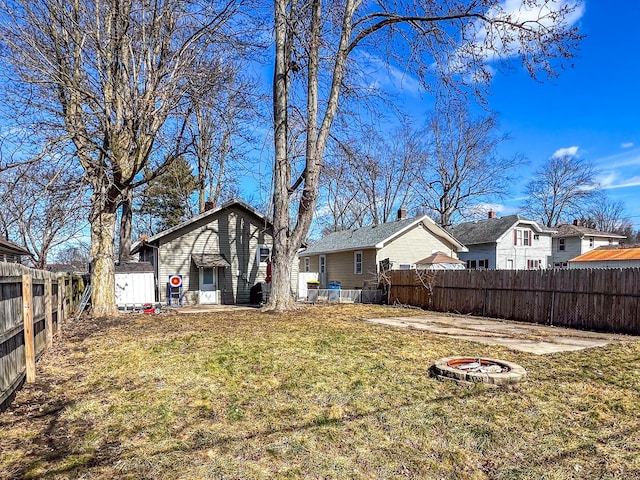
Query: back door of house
point(209, 293)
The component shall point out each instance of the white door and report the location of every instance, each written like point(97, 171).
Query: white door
point(209, 286)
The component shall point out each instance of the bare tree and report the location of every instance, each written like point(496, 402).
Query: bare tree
point(451, 41)
point(111, 78)
point(609, 215)
point(560, 190)
point(219, 129)
point(461, 166)
point(369, 177)
point(44, 206)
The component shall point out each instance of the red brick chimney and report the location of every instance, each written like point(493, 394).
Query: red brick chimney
point(576, 222)
point(402, 213)
point(208, 206)
point(492, 214)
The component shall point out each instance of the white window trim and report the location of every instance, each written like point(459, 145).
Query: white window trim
point(307, 264)
point(355, 262)
point(261, 246)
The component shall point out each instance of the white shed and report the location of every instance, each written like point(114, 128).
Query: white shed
point(135, 284)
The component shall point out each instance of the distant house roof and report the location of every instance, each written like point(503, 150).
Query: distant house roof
point(438, 257)
point(604, 254)
point(9, 247)
point(490, 230)
point(231, 203)
point(569, 230)
point(375, 236)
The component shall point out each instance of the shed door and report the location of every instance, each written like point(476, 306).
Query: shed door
point(209, 293)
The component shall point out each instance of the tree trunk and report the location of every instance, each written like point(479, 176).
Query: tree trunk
point(103, 221)
point(126, 220)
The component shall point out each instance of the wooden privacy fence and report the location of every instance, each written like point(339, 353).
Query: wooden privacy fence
point(33, 305)
point(602, 300)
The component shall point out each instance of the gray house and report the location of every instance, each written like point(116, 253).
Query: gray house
point(504, 243)
point(571, 241)
point(10, 252)
point(217, 256)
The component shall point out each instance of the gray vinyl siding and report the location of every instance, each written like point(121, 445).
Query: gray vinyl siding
point(485, 251)
point(231, 232)
point(576, 246)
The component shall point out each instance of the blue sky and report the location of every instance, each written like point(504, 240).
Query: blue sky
point(592, 109)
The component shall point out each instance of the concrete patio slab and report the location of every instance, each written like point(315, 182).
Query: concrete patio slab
point(524, 337)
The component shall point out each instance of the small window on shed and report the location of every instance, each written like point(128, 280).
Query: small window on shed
point(263, 253)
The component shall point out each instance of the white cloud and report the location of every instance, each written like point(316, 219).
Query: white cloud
point(538, 15)
point(627, 183)
point(627, 145)
point(565, 152)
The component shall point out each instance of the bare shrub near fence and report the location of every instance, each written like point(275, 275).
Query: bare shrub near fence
point(603, 299)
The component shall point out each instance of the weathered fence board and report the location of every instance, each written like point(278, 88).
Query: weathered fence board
point(31, 311)
point(603, 299)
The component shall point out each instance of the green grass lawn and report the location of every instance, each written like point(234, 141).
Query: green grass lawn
point(317, 393)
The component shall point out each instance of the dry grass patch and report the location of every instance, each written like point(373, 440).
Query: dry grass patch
point(312, 394)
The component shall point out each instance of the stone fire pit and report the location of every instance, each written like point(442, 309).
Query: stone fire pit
point(479, 370)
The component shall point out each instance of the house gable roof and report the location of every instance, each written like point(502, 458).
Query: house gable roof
point(491, 230)
point(9, 247)
point(569, 230)
point(375, 236)
point(231, 203)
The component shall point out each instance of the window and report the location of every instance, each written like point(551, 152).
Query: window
point(533, 264)
point(536, 237)
point(263, 253)
point(561, 244)
point(404, 266)
point(509, 263)
point(357, 263)
point(307, 264)
point(591, 242)
point(471, 264)
point(322, 264)
point(483, 263)
point(522, 237)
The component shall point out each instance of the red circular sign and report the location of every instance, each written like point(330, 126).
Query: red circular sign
point(175, 280)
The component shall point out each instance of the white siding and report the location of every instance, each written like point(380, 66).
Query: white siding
point(607, 264)
point(520, 254)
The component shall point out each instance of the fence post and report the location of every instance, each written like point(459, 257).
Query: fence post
point(27, 317)
point(48, 312)
point(553, 306)
point(60, 304)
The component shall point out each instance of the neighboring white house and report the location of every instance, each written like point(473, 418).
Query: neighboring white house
point(605, 257)
point(354, 257)
point(571, 241)
point(504, 243)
